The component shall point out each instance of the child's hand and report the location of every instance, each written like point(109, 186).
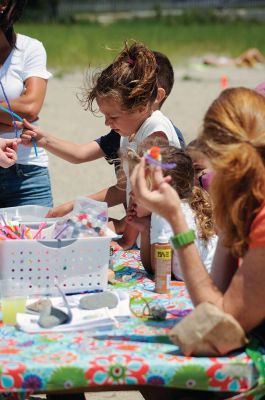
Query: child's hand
point(61, 210)
point(8, 148)
point(31, 131)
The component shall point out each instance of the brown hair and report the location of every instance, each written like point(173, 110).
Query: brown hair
point(233, 134)
point(131, 79)
point(182, 180)
point(165, 73)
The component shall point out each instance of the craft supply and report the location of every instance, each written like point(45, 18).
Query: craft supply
point(154, 158)
point(81, 225)
point(39, 305)
point(158, 312)
point(10, 111)
point(38, 233)
point(80, 262)
point(139, 306)
point(111, 317)
point(70, 315)
point(162, 266)
point(3, 219)
point(58, 234)
point(142, 308)
point(95, 301)
point(51, 316)
point(13, 115)
point(179, 313)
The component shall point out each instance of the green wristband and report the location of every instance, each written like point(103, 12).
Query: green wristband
point(183, 238)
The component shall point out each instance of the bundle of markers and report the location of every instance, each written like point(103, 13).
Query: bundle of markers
point(79, 225)
point(15, 232)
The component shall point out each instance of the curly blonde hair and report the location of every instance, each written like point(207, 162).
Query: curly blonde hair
point(233, 135)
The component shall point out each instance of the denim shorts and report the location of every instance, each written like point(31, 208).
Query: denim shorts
point(25, 185)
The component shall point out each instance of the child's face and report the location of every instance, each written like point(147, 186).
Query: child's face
point(122, 121)
point(201, 164)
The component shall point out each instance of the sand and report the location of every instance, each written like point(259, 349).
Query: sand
point(195, 88)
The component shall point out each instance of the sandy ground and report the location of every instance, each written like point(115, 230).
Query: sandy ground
point(194, 89)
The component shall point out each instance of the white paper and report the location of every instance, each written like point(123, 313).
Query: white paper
point(82, 319)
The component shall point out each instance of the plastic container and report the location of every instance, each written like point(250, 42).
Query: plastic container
point(28, 213)
point(79, 265)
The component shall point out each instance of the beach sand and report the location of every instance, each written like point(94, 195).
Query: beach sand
point(62, 114)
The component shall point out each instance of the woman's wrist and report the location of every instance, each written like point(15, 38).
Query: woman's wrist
point(178, 221)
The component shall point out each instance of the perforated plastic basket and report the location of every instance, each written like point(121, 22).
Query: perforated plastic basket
point(78, 265)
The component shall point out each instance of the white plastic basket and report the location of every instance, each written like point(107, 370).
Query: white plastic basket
point(79, 265)
point(27, 213)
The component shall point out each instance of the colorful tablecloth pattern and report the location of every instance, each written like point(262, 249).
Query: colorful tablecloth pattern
point(137, 353)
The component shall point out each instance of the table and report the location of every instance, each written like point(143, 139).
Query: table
point(139, 354)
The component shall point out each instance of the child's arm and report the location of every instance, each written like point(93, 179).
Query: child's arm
point(69, 151)
point(113, 195)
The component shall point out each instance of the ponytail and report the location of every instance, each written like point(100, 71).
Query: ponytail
point(240, 183)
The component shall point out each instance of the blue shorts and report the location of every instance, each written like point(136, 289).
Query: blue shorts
point(25, 185)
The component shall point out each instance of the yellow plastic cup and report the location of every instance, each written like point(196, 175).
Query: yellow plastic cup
point(13, 300)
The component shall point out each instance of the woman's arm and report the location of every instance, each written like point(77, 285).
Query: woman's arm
point(29, 104)
point(243, 296)
point(223, 268)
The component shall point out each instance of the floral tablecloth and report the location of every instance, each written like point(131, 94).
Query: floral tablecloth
point(138, 353)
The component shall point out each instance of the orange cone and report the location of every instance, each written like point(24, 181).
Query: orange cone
point(224, 82)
